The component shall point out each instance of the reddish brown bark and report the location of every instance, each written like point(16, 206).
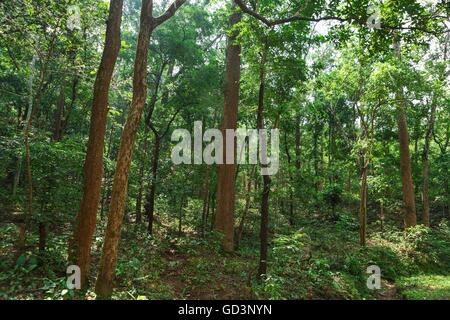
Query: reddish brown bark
point(409, 204)
point(104, 284)
point(405, 169)
point(363, 203)
point(224, 216)
point(80, 247)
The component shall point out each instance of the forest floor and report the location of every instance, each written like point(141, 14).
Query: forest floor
point(170, 266)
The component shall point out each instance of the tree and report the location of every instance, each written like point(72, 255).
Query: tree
point(80, 248)
point(226, 173)
point(409, 203)
point(148, 24)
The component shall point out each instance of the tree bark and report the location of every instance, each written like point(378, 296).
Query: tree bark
point(425, 171)
point(298, 146)
point(224, 217)
point(363, 203)
point(58, 125)
point(104, 284)
point(205, 194)
point(150, 204)
point(80, 247)
point(246, 208)
point(264, 228)
point(409, 204)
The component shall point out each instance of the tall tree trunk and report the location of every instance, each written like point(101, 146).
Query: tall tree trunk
point(363, 202)
point(42, 236)
point(70, 108)
point(246, 208)
point(381, 217)
point(291, 178)
point(150, 204)
point(409, 203)
point(298, 146)
point(425, 171)
point(264, 229)
point(205, 194)
point(224, 218)
point(141, 179)
point(80, 247)
point(59, 113)
point(140, 194)
point(29, 205)
point(104, 284)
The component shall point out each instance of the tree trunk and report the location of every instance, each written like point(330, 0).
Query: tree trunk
point(205, 194)
point(29, 203)
point(65, 122)
point(425, 171)
point(150, 204)
point(410, 219)
point(104, 284)
point(264, 229)
point(141, 180)
point(80, 248)
point(298, 147)
point(381, 217)
point(363, 203)
point(246, 208)
point(58, 125)
point(42, 236)
point(224, 218)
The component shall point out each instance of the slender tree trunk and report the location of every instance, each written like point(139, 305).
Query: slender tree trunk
point(42, 236)
point(246, 208)
point(213, 210)
point(381, 217)
point(363, 203)
point(104, 284)
point(65, 122)
point(150, 205)
point(205, 194)
point(141, 180)
point(425, 170)
point(29, 205)
point(298, 146)
point(80, 247)
point(58, 125)
point(264, 229)
point(180, 219)
point(140, 194)
point(224, 219)
point(291, 178)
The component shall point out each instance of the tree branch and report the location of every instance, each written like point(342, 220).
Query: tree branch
point(297, 17)
point(169, 12)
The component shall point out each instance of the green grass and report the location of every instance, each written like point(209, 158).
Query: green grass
point(425, 287)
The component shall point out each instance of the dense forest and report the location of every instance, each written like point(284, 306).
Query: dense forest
point(348, 196)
